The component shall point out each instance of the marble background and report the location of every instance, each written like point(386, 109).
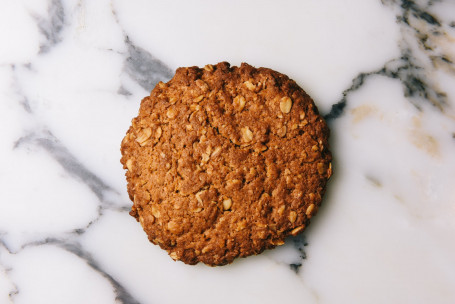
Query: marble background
point(72, 74)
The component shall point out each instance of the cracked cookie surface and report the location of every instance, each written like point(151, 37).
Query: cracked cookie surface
point(225, 162)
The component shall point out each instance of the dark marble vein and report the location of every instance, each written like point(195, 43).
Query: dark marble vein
point(69, 162)
point(416, 86)
point(407, 68)
point(299, 242)
point(122, 294)
point(144, 68)
point(412, 8)
point(337, 109)
point(75, 248)
point(52, 26)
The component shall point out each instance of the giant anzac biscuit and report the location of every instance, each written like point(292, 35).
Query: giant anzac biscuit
point(224, 162)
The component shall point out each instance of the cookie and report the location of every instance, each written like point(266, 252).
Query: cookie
point(225, 162)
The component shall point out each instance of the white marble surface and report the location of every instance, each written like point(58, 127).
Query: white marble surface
point(72, 74)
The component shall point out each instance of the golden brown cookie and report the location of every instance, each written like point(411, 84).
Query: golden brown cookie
point(224, 162)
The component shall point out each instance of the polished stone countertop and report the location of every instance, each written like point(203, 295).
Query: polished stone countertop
point(382, 73)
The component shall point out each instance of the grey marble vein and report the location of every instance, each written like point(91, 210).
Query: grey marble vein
point(68, 161)
point(77, 249)
point(144, 68)
point(122, 294)
point(52, 26)
point(407, 68)
point(15, 290)
point(298, 242)
point(410, 7)
point(3, 243)
point(123, 91)
point(22, 99)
